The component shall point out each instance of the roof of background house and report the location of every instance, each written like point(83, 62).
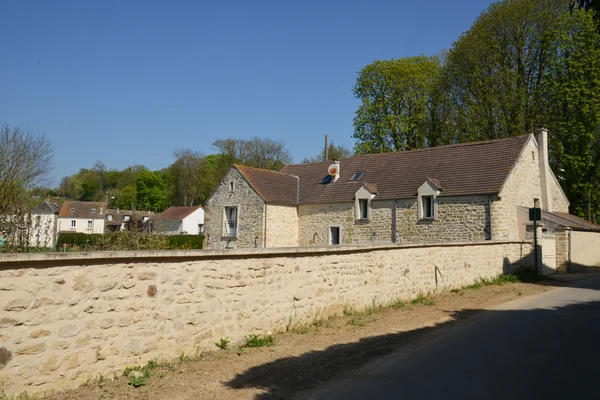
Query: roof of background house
point(47, 207)
point(460, 169)
point(174, 213)
point(117, 215)
point(82, 209)
point(572, 221)
point(272, 186)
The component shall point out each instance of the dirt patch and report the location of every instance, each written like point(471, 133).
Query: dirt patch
point(308, 357)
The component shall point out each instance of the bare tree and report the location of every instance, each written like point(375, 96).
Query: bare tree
point(25, 162)
point(256, 152)
point(186, 171)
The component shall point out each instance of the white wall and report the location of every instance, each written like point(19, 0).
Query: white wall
point(190, 223)
point(81, 225)
point(43, 230)
point(585, 249)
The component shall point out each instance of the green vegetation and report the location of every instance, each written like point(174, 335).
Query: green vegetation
point(128, 240)
point(422, 299)
point(259, 341)
point(223, 343)
point(522, 64)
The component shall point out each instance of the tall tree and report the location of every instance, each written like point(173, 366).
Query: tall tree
point(396, 96)
point(151, 192)
point(186, 176)
point(256, 152)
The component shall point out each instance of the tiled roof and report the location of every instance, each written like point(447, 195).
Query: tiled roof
point(82, 209)
point(273, 187)
point(461, 169)
point(572, 221)
point(117, 215)
point(175, 213)
point(47, 207)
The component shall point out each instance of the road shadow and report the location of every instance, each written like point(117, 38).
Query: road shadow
point(295, 377)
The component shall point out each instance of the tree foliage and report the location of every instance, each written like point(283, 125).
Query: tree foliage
point(334, 153)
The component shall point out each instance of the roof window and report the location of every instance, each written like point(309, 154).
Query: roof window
point(356, 176)
point(93, 210)
point(327, 179)
point(72, 210)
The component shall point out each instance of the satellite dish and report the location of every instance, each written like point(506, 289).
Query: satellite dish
point(334, 169)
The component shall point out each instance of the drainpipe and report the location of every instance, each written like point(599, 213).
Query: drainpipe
point(394, 210)
point(569, 257)
point(265, 232)
point(490, 215)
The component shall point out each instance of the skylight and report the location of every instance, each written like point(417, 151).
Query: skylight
point(326, 179)
point(356, 176)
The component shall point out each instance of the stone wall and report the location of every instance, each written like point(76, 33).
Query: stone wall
point(250, 220)
point(461, 218)
point(521, 187)
point(65, 317)
point(560, 203)
point(562, 251)
point(282, 226)
point(315, 220)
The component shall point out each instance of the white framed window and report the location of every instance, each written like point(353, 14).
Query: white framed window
point(90, 224)
point(428, 207)
point(335, 235)
point(73, 223)
point(230, 220)
point(363, 209)
point(109, 217)
point(126, 218)
point(200, 228)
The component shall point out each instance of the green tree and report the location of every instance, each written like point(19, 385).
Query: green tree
point(185, 177)
point(334, 153)
point(151, 191)
point(572, 109)
point(396, 97)
point(126, 198)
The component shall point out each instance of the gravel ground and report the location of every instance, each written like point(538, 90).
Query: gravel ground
point(303, 360)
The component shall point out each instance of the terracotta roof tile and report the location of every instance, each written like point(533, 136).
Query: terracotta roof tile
point(461, 169)
point(272, 186)
point(82, 209)
point(174, 213)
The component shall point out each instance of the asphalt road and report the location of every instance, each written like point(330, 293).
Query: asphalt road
point(540, 347)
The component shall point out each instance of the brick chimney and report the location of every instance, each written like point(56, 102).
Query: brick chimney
point(545, 174)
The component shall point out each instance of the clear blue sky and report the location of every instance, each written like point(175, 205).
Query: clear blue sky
point(128, 82)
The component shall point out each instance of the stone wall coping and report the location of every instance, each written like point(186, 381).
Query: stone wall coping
point(6, 260)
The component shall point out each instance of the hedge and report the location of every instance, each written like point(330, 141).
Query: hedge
point(175, 241)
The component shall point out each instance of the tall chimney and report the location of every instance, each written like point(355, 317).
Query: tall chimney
point(326, 148)
point(542, 139)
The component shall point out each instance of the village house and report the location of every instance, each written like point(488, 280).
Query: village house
point(178, 221)
point(121, 220)
point(44, 224)
point(82, 217)
point(463, 192)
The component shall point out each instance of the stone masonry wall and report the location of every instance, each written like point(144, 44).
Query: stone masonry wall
point(559, 201)
point(282, 226)
point(522, 186)
point(250, 220)
point(457, 219)
point(562, 251)
point(65, 318)
point(315, 220)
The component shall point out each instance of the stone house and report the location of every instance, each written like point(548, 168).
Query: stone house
point(462, 192)
point(122, 220)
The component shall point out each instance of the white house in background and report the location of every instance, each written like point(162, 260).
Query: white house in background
point(82, 217)
point(178, 221)
point(44, 225)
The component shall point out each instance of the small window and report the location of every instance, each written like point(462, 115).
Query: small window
point(536, 202)
point(109, 217)
point(230, 221)
point(533, 155)
point(356, 176)
point(200, 228)
point(231, 186)
point(126, 218)
point(72, 210)
point(73, 222)
point(428, 207)
point(334, 235)
point(93, 210)
point(363, 209)
point(90, 224)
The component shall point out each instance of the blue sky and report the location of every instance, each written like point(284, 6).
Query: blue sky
point(129, 82)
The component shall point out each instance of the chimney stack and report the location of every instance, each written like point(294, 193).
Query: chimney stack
point(545, 174)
